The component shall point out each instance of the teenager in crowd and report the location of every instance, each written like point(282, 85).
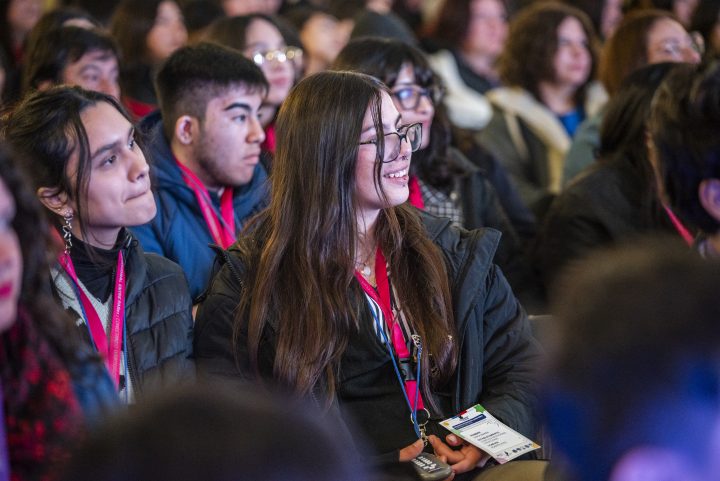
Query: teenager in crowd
point(73, 56)
point(17, 19)
point(92, 176)
point(52, 386)
point(205, 143)
point(644, 37)
point(547, 65)
point(147, 33)
point(259, 38)
point(364, 275)
point(443, 181)
point(605, 15)
point(320, 34)
point(472, 34)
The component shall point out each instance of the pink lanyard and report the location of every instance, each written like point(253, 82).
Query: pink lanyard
point(221, 230)
point(110, 352)
point(679, 227)
point(382, 298)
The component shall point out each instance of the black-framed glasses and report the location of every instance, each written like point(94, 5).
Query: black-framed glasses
point(281, 55)
point(409, 97)
point(412, 133)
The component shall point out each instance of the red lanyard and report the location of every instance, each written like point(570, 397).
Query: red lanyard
point(382, 298)
point(110, 352)
point(679, 227)
point(222, 229)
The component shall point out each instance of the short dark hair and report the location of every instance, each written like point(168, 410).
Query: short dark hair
point(684, 124)
point(527, 58)
point(54, 51)
point(193, 75)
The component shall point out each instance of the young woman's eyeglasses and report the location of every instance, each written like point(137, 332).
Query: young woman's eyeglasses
point(409, 97)
point(281, 55)
point(412, 133)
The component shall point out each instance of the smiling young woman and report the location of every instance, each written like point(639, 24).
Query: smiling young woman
point(339, 272)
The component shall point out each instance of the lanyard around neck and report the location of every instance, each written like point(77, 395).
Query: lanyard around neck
point(110, 351)
point(382, 297)
point(222, 228)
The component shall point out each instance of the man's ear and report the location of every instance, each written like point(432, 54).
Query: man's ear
point(56, 201)
point(186, 128)
point(709, 193)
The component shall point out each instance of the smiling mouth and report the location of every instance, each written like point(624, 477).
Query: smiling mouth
point(397, 174)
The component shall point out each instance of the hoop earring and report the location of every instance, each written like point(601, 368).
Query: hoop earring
point(67, 230)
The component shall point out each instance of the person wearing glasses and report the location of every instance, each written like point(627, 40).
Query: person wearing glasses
point(205, 143)
point(340, 280)
point(259, 38)
point(443, 181)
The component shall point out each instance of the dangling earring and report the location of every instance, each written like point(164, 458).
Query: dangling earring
point(67, 230)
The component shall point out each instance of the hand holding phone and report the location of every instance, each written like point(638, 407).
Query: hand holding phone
point(430, 468)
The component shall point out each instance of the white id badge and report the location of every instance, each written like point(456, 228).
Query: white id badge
point(480, 428)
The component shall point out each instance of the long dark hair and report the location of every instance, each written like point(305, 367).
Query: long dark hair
point(32, 229)
point(130, 25)
point(383, 59)
point(47, 129)
point(309, 234)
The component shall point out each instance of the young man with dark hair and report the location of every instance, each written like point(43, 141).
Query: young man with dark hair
point(73, 56)
point(205, 143)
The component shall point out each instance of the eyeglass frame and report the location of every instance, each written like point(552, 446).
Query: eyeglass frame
point(401, 137)
point(288, 53)
point(434, 93)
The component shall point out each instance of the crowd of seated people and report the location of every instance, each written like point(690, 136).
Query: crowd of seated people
point(278, 239)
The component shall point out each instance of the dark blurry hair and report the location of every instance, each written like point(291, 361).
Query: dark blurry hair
point(684, 125)
point(231, 31)
point(33, 231)
point(130, 24)
point(57, 49)
point(528, 56)
point(194, 75)
point(453, 22)
point(703, 21)
point(626, 50)
point(214, 434)
point(199, 14)
point(634, 332)
point(383, 59)
point(54, 19)
point(46, 128)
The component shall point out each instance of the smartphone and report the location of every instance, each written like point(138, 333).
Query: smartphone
point(430, 468)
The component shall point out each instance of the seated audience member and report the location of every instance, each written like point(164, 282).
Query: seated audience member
point(200, 14)
point(73, 56)
point(605, 15)
point(321, 37)
point(339, 264)
point(147, 33)
point(547, 65)
point(52, 387)
point(235, 8)
point(685, 149)
point(681, 9)
point(205, 144)
point(644, 37)
point(91, 175)
point(615, 200)
point(633, 389)
point(259, 38)
point(215, 434)
point(442, 181)
point(472, 34)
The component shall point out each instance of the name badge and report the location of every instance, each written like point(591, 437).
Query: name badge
point(483, 430)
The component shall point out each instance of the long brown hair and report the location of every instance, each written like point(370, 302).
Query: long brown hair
point(302, 276)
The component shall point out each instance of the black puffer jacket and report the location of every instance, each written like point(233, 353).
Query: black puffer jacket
point(498, 354)
point(158, 321)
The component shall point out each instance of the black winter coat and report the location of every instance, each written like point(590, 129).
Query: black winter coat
point(158, 321)
point(498, 353)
